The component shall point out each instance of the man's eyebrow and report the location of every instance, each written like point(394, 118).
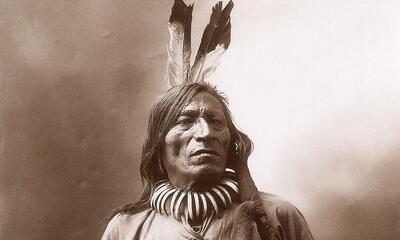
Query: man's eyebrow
point(193, 113)
point(189, 113)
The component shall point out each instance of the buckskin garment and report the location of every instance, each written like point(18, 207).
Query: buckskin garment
point(285, 222)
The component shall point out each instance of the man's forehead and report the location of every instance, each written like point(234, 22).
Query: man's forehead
point(203, 102)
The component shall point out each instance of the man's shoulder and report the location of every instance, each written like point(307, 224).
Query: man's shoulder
point(129, 218)
point(275, 202)
point(285, 214)
point(125, 224)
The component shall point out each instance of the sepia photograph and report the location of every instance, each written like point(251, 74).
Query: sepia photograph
point(199, 119)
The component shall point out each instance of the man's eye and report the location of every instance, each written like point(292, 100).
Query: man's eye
point(215, 121)
point(185, 121)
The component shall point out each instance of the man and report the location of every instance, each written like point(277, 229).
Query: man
point(191, 141)
point(194, 160)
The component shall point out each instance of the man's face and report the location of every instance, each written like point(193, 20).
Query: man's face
point(196, 147)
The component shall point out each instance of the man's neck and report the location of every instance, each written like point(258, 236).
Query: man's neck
point(198, 184)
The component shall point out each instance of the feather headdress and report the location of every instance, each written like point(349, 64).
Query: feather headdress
point(214, 42)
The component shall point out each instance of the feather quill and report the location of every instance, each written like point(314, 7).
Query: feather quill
point(179, 47)
point(215, 40)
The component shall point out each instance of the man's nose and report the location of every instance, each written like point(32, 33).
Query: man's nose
point(203, 131)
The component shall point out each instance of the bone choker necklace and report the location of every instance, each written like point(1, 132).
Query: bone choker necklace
point(191, 206)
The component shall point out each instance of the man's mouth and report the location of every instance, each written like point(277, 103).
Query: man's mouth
point(205, 152)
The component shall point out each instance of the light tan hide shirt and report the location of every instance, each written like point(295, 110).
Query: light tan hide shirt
point(149, 224)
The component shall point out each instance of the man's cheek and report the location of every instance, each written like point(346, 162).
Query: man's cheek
point(177, 147)
point(226, 139)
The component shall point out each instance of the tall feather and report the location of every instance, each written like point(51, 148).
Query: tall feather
point(207, 64)
point(179, 26)
point(215, 40)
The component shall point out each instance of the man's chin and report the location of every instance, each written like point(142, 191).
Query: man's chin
point(206, 176)
point(205, 159)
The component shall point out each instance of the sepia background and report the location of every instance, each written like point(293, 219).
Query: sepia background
point(314, 83)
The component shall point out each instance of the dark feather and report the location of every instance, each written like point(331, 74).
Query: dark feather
point(217, 31)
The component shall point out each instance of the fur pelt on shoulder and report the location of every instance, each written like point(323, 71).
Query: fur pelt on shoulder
point(251, 223)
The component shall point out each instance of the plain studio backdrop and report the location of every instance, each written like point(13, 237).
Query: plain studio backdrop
point(314, 83)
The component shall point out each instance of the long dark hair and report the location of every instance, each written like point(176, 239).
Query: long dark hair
point(162, 116)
